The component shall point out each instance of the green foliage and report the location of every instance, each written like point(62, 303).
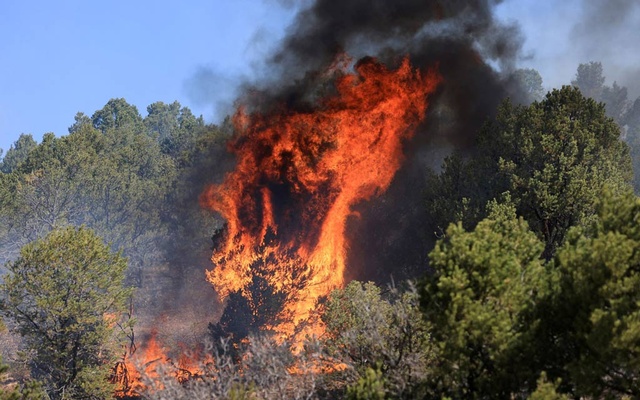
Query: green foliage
point(17, 153)
point(368, 387)
point(368, 330)
point(500, 317)
point(600, 301)
point(616, 103)
point(43, 192)
point(480, 306)
point(531, 82)
point(547, 390)
point(117, 114)
point(554, 157)
point(176, 128)
point(633, 140)
point(566, 151)
point(81, 121)
point(65, 294)
point(125, 190)
point(163, 119)
point(632, 123)
point(353, 309)
point(114, 182)
point(590, 79)
point(455, 196)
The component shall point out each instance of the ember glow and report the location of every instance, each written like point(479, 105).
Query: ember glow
point(297, 178)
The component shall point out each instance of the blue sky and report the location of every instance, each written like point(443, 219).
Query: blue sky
point(62, 57)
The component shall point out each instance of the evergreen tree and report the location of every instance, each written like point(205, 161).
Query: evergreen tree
point(117, 113)
point(554, 157)
point(480, 307)
point(65, 295)
point(17, 153)
point(595, 325)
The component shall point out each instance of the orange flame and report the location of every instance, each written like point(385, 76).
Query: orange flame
point(127, 375)
point(298, 176)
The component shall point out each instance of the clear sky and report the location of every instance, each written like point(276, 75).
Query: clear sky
point(65, 56)
point(62, 57)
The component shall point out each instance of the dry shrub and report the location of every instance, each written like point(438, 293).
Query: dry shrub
point(367, 330)
point(266, 370)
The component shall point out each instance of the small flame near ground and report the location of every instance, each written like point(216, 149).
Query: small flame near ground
point(149, 361)
point(298, 176)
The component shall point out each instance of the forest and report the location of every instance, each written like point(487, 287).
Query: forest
point(527, 284)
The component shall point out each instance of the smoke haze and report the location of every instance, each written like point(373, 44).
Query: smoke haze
point(561, 35)
point(608, 32)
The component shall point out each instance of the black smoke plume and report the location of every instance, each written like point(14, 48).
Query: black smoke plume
point(474, 51)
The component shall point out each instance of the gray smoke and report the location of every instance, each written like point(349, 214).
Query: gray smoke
point(607, 31)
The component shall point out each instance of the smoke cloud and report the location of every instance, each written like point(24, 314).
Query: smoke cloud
point(561, 35)
point(607, 31)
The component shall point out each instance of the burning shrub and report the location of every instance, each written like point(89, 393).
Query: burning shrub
point(267, 370)
point(262, 305)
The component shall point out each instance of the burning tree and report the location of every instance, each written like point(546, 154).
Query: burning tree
point(261, 305)
point(298, 175)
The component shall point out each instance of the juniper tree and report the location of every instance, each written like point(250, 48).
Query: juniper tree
point(554, 157)
point(65, 295)
point(480, 307)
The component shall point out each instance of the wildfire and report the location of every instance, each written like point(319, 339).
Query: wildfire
point(297, 178)
point(287, 202)
point(127, 374)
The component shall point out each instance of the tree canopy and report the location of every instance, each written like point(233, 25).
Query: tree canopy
point(505, 322)
point(599, 301)
point(553, 157)
point(479, 305)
